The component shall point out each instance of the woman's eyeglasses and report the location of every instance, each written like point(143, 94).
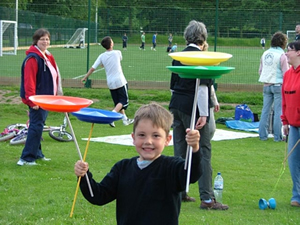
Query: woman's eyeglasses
point(290, 50)
point(44, 39)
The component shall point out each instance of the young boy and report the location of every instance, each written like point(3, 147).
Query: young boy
point(116, 81)
point(154, 42)
point(147, 187)
point(143, 38)
point(174, 48)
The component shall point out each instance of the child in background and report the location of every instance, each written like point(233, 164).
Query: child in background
point(174, 48)
point(146, 187)
point(116, 81)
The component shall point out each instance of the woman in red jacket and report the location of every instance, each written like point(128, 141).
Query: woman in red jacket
point(40, 76)
point(291, 116)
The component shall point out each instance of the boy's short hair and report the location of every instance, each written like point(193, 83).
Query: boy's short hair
point(38, 34)
point(106, 42)
point(160, 117)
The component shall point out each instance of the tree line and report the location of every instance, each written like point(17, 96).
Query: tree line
point(77, 9)
point(235, 18)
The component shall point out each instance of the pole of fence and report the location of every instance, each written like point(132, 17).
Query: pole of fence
point(216, 35)
point(88, 82)
point(216, 24)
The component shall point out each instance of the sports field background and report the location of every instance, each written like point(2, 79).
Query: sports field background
point(232, 30)
point(142, 69)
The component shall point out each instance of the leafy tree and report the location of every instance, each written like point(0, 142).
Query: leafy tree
point(239, 17)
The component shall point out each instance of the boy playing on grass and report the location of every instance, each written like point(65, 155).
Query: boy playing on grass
point(174, 48)
point(147, 187)
point(116, 81)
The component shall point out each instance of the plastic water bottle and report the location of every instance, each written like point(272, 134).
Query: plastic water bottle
point(218, 187)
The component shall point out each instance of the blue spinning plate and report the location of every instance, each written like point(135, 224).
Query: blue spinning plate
point(92, 115)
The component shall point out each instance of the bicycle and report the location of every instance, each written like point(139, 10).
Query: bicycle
point(17, 133)
point(59, 133)
point(11, 131)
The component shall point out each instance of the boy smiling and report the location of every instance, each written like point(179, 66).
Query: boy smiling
point(147, 188)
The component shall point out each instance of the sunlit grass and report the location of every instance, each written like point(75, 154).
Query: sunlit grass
point(44, 194)
point(139, 65)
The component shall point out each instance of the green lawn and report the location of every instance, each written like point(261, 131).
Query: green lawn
point(140, 65)
point(44, 194)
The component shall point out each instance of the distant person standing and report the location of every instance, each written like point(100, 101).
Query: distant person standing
point(214, 105)
point(125, 39)
point(170, 39)
point(263, 43)
point(116, 81)
point(154, 42)
point(297, 29)
point(273, 65)
point(143, 38)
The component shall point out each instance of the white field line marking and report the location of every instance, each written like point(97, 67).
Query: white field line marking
point(85, 74)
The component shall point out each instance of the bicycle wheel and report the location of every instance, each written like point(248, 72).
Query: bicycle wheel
point(5, 137)
point(62, 136)
point(19, 139)
point(17, 126)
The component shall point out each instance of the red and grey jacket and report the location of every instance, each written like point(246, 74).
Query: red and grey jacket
point(36, 78)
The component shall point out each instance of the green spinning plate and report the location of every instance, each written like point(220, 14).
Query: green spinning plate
point(204, 72)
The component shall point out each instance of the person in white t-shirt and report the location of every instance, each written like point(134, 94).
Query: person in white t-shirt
point(116, 81)
point(273, 65)
point(263, 43)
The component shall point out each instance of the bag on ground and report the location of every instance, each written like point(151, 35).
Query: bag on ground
point(243, 113)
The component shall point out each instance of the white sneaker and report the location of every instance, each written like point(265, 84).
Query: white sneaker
point(45, 159)
point(127, 122)
point(22, 162)
point(112, 124)
point(151, 48)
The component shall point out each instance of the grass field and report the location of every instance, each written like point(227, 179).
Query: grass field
point(44, 194)
point(140, 65)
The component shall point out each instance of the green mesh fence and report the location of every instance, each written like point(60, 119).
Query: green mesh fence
point(60, 28)
point(238, 33)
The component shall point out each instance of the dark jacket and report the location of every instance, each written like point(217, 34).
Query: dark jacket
point(184, 89)
point(144, 196)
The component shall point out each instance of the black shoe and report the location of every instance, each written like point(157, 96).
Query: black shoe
point(188, 199)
